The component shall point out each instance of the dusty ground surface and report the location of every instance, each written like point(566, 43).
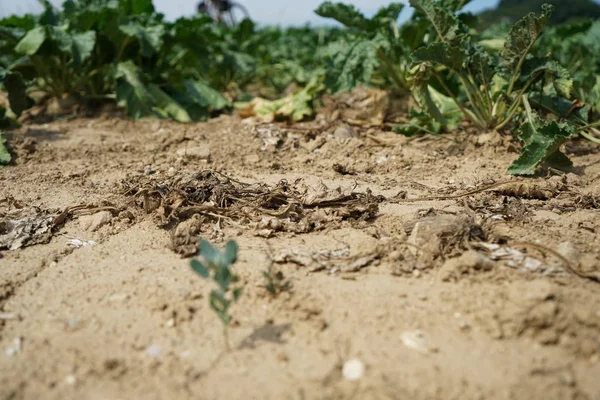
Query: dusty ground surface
point(440, 290)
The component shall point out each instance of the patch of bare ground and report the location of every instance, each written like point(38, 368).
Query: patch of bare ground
point(419, 257)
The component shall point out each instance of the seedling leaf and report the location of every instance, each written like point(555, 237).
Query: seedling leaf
point(200, 269)
point(231, 252)
point(207, 251)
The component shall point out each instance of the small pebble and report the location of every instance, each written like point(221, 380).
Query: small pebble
point(70, 380)
point(154, 350)
point(353, 370)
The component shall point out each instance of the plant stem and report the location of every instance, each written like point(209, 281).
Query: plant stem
point(226, 337)
point(588, 126)
point(466, 112)
point(398, 80)
point(589, 137)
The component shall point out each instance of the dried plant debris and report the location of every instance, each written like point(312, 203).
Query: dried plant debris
point(333, 261)
point(542, 190)
point(512, 257)
point(210, 196)
point(27, 226)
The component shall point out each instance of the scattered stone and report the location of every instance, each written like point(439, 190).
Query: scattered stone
point(80, 243)
point(353, 369)
point(154, 350)
point(545, 215)
point(416, 341)
point(570, 252)
point(170, 323)
point(118, 297)
point(195, 153)
point(470, 260)
point(70, 380)
point(344, 132)
point(15, 348)
point(6, 316)
point(96, 221)
point(431, 237)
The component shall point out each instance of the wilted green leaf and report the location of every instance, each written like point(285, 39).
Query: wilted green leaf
point(443, 20)
point(525, 32)
point(541, 140)
point(452, 57)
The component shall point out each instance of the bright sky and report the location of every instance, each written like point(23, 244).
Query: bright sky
point(272, 12)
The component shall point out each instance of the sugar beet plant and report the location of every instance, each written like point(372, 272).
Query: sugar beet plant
point(216, 266)
point(493, 89)
point(376, 50)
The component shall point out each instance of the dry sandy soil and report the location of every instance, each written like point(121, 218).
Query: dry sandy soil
point(421, 258)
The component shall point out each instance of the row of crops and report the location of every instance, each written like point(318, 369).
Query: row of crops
point(541, 82)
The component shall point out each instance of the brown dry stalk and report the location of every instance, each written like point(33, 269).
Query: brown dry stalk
point(455, 196)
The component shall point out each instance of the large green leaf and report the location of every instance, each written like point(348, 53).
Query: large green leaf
point(352, 62)
point(541, 139)
point(131, 92)
point(82, 46)
point(167, 105)
point(5, 156)
point(204, 95)
point(150, 37)
point(31, 43)
point(443, 19)
point(524, 34)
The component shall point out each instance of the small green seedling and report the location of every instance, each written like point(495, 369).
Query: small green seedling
point(217, 265)
point(276, 283)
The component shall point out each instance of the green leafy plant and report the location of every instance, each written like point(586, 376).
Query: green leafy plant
point(217, 266)
point(492, 87)
point(371, 44)
point(276, 282)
